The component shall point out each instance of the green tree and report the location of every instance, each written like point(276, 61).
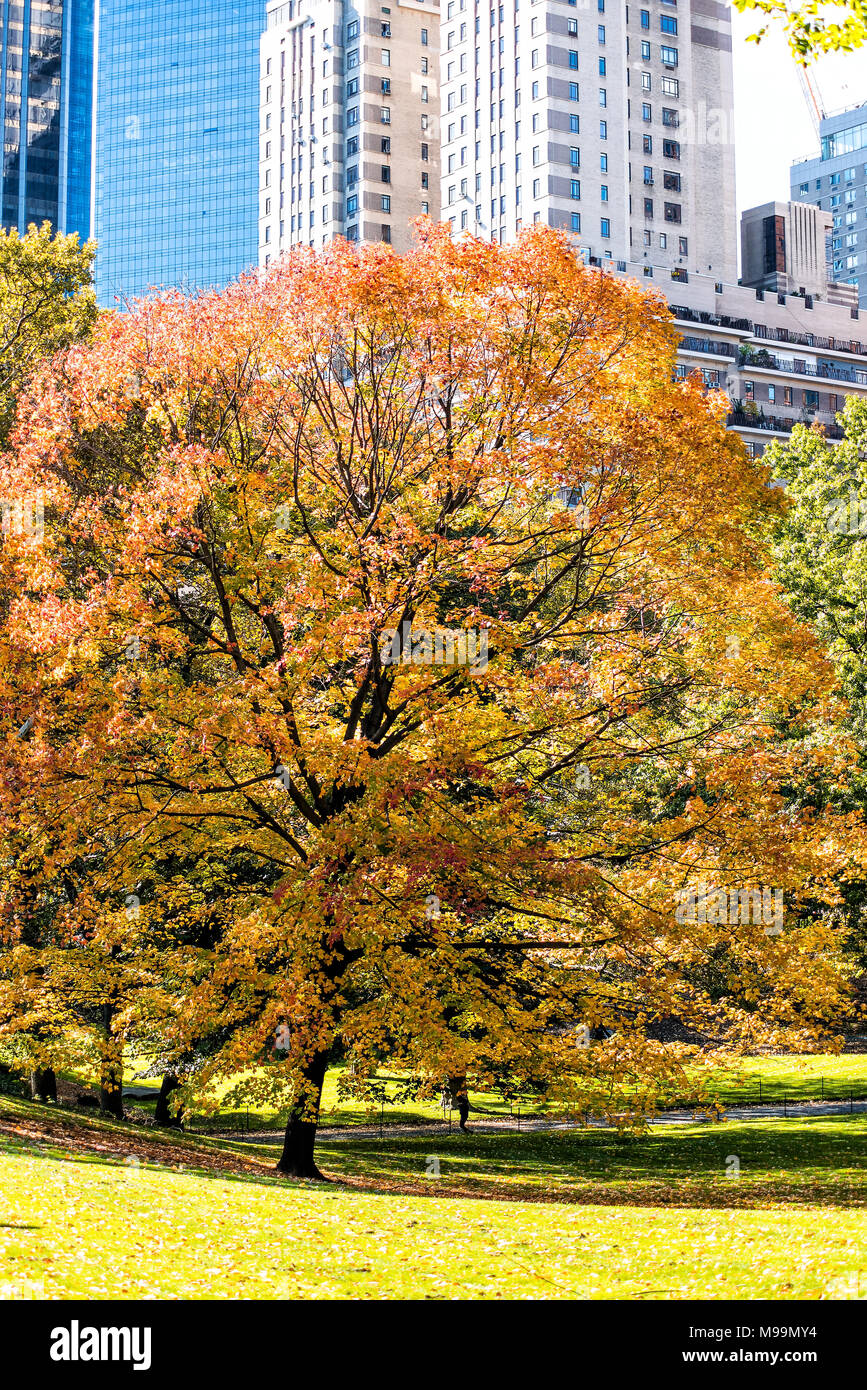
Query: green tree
point(838, 26)
point(46, 303)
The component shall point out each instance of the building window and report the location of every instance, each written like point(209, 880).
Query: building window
point(537, 188)
point(663, 241)
point(787, 395)
point(603, 163)
point(534, 91)
point(573, 58)
point(749, 391)
point(648, 238)
point(424, 151)
point(352, 87)
point(646, 85)
point(352, 30)
point(605, 226)
point(385, 144)
point(600, 33)
point(386, 232)
point(671, 181)
point(385, 28)
point(683, 246)
point(385, 115)
point(671, 86)
point(648, 173)
point(646, 111)
point(603, 96)
point(352, 115)
point(574, 125)
point(385, 202)
point(668, 24)
point(645, 18)
point(811, 400)
point(602, 72)
point(573, 91)
point(668, 56)
point(575, 188)
point(603, 130)
point(671, 149)
point(772, 394)
point(645, 51)
point(574, 157)
point(385, 172)
point(672, 212)
point(425, 180)
point(424, 37)
point(647, 144)
point(351, 204)
point(648, 207)
point(603, 193)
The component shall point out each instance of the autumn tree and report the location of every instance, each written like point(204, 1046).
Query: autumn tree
point(46, 303)
point(402, 639)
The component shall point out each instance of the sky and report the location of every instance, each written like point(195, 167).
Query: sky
point(772, 120)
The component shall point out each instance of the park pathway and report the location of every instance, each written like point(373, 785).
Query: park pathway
point(478, 1124)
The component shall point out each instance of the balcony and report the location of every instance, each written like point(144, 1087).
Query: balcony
point(775, 424)
point(751, 358)
point(708, 345)
point(759, 330)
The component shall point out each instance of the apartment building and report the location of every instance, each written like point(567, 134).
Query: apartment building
point(349, 137)
point(782, 358)
point(836, 181)
point(612, 122)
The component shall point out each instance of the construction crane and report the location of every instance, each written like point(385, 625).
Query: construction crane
point(813, 98)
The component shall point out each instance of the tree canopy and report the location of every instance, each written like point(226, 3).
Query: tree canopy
point(402, 670)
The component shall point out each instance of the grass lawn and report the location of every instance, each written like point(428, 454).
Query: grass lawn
point(813, 1077)
point(98, 1210)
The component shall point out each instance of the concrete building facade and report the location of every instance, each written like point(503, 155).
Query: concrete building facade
point(612, 122)
point(349, 134)
point(836, 181)
point(782, 358)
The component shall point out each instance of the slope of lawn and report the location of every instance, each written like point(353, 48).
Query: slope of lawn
point(81, 1218)
point(735, 1164)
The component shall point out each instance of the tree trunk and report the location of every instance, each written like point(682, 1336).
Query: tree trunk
point(296, 1160)
point(43, 1084)
point(111, 1077)
point(163, 1115)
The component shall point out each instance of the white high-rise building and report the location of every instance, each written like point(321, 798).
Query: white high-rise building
point(349, 106)
point(610, 121)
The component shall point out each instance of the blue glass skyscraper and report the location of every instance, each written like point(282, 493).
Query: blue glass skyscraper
point(176, 143)
point(46, 84)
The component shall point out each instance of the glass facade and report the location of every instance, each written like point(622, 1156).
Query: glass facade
point(176, 168)
point(45, 86)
